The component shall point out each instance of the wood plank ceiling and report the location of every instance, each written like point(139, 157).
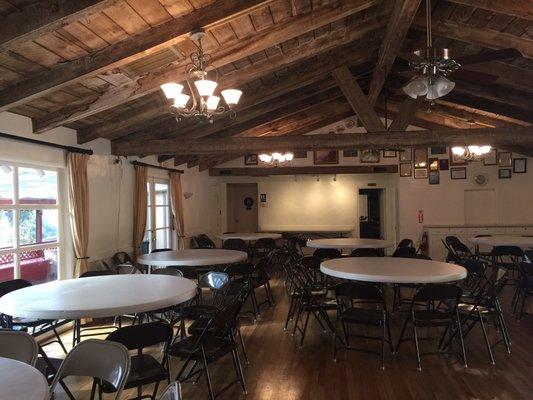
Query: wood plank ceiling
point(96, 66)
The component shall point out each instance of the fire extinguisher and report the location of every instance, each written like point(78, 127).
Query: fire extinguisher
point(420, 216)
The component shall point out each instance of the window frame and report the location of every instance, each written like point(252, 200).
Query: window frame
point(17, 248)
point(151, 231)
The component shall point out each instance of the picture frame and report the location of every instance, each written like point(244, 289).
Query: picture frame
point(300, 154)
point(421, 173)
point(251, 159)
point(406, 155)
point(519, 165)
point(369, 156)
point(504, 173)
point(444, 164)
point(389, 154)
point(438, 150)
point(420, 156)
point(454, 160)
point(324, 157)
point(433, 164)
point(350, 153)
point(491, 158)
point(504, 159)
point(434, 177)
point(458, 173)
point(406, 170)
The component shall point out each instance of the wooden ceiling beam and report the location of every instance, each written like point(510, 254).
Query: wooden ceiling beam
point(357, 99)
point(514, 8)
point(327, 170)
point(405, 114)
point(145, 43)
point(508, 75)
point(497, 137)
point(399, 23)
point(230, 52)
point(42, 17)
point(485, 37)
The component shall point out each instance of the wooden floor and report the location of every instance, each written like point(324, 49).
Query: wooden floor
point(280, 370)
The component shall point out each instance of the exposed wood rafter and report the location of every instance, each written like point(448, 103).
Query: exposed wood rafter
point(336, 170)
point(514, 8)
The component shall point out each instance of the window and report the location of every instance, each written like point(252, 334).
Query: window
point(158, 219)
point(29, 223)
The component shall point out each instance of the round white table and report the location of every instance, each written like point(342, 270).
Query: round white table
point(192, 257)
point(503, 240)
point(99, 296)
point(349, 243)
point(392, 270)
point(249, 236)
point(19, 381)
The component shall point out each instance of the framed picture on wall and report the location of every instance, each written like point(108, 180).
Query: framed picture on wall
point(458, 173)
point(438, 150)
point(251, 159)
point(434, 177)
point(520, 165)
point(406, 155)
point(349, 153)
point(491, 158)
point(421, 173)
point(454, 160)
point(321, 157)
point(444, 165)
point(406, 169)
point(369, 156)
point(433, 164)
point(389, 153)
point(421, 158)
point(504, 173)
point(504, 159)
point(300, 154)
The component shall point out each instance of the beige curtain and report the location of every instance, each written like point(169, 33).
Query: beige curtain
point(141, 204)
point(78, 194)
point(176, 202)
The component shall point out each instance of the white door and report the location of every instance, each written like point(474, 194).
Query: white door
point(480, 207)
point(158, 221)
point(242, 207)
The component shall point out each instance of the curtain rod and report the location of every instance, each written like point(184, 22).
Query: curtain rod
point(42, 143)
point(179, 171)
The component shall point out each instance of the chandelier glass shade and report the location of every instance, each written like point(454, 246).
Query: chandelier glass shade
point(471, 153)
point(201, 103)
point(276, 158)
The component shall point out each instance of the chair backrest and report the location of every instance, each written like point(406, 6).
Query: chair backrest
point(172, 392)
point(159, 250)
point(12, 285)
point(507, 251)
point(235, 244)
point(226, 316)
point(101, 359)
point(103, 272)
point(20, 346)
point(405, 243)
point(438, 292)
point(122, 258)
point(135, 337)
point(404, 252)
point(311, 262)
point(168, 271)
point(186, 271)
point(238, 270)
point(204, 242)
point(215, 280)
point(359, 291)
point(528, 256)
point(265, 243)
point(365, 253)
point(457, 246)
point(325, 254)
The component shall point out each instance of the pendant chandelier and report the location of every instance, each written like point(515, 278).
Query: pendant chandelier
point(205, 105)
point(433, 66)
point(471, 153)
point(276, 158)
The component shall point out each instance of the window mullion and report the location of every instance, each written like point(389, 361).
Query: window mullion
point(16, 223)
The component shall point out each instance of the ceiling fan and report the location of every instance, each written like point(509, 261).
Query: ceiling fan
point(433, 66)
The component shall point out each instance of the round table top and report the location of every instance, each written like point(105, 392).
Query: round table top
point(392, 270)
point(19, 381)
point(249, 236)
point(349, 243)
point(192, 257)
point(98, 296)
point(503, 240)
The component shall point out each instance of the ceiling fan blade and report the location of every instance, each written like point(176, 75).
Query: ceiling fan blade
point(410, 57)
point(473, 76)
point(491, 55)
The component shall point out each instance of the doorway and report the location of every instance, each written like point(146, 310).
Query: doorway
point(242, 207)
point(371, 213)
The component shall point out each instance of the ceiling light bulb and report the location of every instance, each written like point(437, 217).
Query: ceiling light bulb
point(212, 102)
point(171, 89)
point(439, 87)
point(266, 158)
point(181, 100)
point(458, 151)
point(276, 156)
point(205, 87)
point(231, 96)
point(474, 150)
point(416, 87)
point(485, 149)
point(289, 156)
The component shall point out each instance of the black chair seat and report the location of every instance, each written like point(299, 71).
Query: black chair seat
point(432, 317)
point(214, 347)
point(197, 311)
point(362, 316)
point(144, 370)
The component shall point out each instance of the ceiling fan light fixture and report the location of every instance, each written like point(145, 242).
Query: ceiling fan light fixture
point(416, 87)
